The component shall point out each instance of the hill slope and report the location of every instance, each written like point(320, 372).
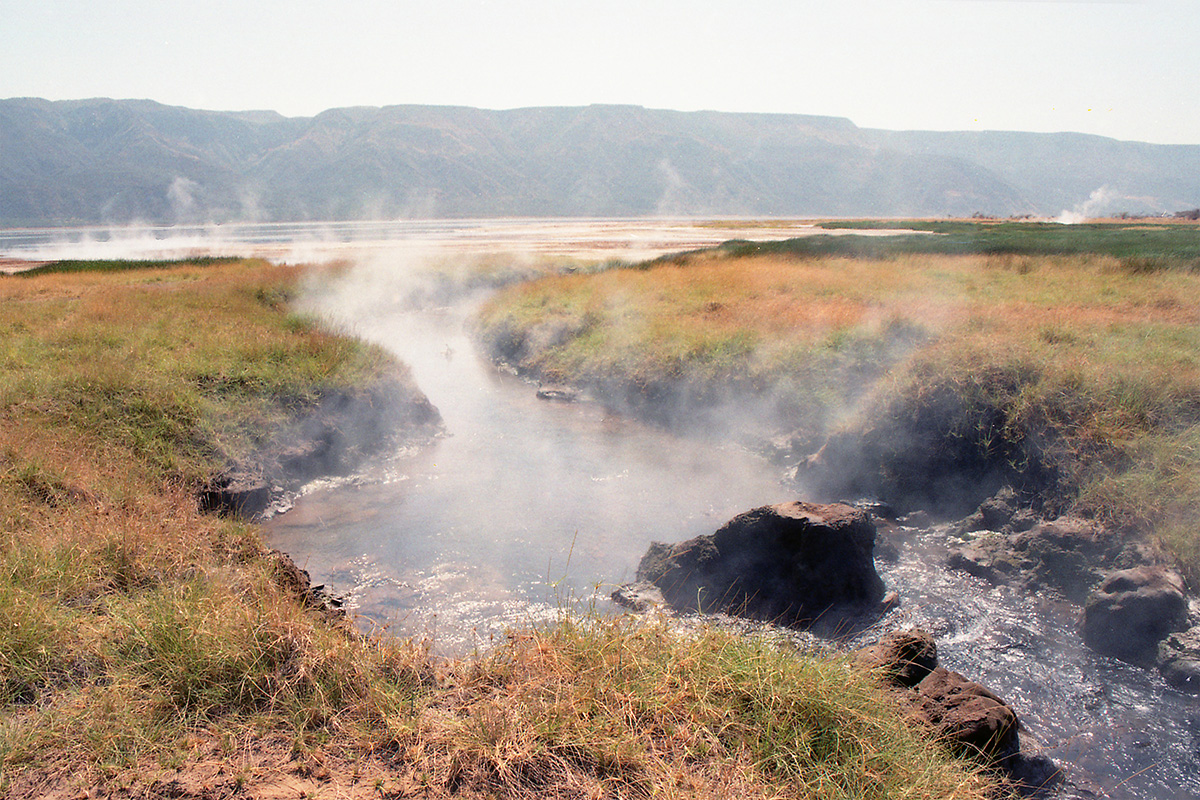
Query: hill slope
point(114, 161)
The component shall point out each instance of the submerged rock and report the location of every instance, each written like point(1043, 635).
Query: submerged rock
point(1179, 660)
point(792, 562)
point(557, 393)
point(1068, 555)
point(1134, 610)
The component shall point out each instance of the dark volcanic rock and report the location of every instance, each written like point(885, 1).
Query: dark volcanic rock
point(961, 712)
point(904, 658)
point(236, 492)
point(966, 715)
point(790, 562)
point(1179, 660)
point(1067, 555)
point(297, 583)
point(1133, 611)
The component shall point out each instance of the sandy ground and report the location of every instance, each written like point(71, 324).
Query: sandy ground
point(586, 239)
point(8, 266)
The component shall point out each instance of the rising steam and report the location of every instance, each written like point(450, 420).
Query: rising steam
point(1098, 202)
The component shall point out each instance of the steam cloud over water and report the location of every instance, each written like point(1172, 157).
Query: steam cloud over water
point(524, 504)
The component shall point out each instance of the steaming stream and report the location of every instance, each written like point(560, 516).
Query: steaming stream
point(524, 505)
point(528, 504)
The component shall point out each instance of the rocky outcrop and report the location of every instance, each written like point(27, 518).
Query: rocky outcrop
point(974, 720)
point(1003, 512)
point(342, 430)
point(1134, 610)
point(792, 562)
point(1006, 542)
point(970, 718)
point(296, 582)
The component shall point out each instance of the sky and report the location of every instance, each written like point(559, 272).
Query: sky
point(1126, 69)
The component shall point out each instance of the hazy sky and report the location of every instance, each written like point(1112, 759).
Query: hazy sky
point(1130, 70)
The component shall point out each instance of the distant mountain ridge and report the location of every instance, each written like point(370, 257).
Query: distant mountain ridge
point(118, 161)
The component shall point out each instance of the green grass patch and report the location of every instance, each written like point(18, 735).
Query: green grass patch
point(1144, 245)
point(122, 265)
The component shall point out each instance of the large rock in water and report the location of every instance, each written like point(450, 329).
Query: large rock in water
point(1133, 611)
point(963, 713)
point(903, 658)
point(791, 562)
point(966, 714)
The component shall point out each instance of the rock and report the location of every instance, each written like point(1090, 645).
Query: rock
point(990, 557)
point(237, 492)
point(297, 583)
point(561, 394)
point(791, 562)
point(995, 512)
point(333, 436)
point(1133, 611)
point(886, 550)
point(903, 658)
point(1179, 660)
point(1066, 555)
point(968, 716)
point(640, 596)
point(916, 519)
point(1034, 775)
point(876, 508)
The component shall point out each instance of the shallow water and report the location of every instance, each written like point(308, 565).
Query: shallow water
point(308, 242)
point(1118, 730)
point(524, 506)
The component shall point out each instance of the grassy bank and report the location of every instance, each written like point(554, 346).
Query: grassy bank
point(147, 649)
point(1064, 357)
